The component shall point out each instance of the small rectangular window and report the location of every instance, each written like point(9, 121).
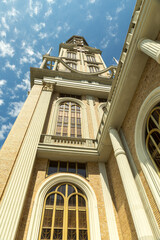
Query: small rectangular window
point(71, 167)
point(81, 170)
point(53, 167)
point(63, 167)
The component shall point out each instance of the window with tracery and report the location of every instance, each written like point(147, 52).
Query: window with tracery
point(72, 65)
point(71, 55)
point(65, 214)
point(91, 58)
point(69, 120)
point(93, 69)
point(153, 136)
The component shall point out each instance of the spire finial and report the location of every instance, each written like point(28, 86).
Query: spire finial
point(48, 53)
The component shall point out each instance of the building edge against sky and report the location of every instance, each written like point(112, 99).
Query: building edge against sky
point(82, 160)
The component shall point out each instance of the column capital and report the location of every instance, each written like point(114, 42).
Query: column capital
point(150, 48)
point(48, 86)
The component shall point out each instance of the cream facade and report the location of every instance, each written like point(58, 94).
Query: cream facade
point(82, 161)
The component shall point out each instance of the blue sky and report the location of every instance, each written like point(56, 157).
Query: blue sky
point(29, 28)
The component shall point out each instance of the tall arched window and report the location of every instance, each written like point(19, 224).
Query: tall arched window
point(153, 136)
point(69, 120)
point(65, 214)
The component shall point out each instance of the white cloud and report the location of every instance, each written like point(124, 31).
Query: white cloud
point(2, 82)
point(112, 30)
point(89, 17)
point(67, 2)
point(25, 85)
point(10, 66)
point(42, 35)
point(121, 8)
point(16, 30)
point(66, 27)
point(109, 17)
point(14, 108)
point(4, 129)
point(1, 102)
point(51, 1)
point(34, 9)
point(29, 51)
point(58, 30)
point(92, 1)
point(18, 73)
point(38, 27)
point(3, 119)
point(5, 25)
point(3, 34)
point(6, 49)
point(104, 43)
point(25, 59)
point(13, 13)
point(48, 13)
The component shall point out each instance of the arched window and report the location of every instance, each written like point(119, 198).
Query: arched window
point(72, 65)
point(65, 214)
point(71, 55)
point(69, 120)
point(93, 68)
point(91, 58)
point(153, 136)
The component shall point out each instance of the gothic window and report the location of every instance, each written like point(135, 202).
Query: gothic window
point(72, 65)
point(153, 136)
point(69, 120)
point(93, 69)
point(71, 55)
point(91, 58)
point(71, 167)
point(65, 214)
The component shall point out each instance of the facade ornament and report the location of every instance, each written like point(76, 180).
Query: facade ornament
point(48, 87)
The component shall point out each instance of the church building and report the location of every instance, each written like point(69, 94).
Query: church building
point(82, 160)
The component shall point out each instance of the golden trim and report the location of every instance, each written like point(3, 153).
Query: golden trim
point(65, 209)
point(150, 131)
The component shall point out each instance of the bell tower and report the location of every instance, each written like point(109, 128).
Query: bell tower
point(51, 153)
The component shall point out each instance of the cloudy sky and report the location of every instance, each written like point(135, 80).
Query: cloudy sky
point(28, 28)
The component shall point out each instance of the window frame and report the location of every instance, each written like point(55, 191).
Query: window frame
point(53, 180)
point(65, 208)
point(146, 163)
point(54, 113)
point(94, 67)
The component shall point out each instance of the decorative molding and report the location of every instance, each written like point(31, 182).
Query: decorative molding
point(143, 157)
point(48, 86)
point(44, 188)
point(60, 60)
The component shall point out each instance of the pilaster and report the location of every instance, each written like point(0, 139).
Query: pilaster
point(111, 221)
point(14, 197)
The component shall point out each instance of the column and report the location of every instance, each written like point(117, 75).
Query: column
point(139, 216)
point(111, 221)
point(151, 48)
point(14, 196)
